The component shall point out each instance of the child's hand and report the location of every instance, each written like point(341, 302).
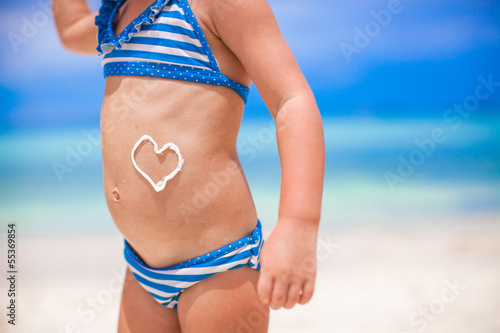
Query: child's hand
point(288, 264)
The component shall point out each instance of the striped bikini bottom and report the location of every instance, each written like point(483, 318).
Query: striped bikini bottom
point(166, 284)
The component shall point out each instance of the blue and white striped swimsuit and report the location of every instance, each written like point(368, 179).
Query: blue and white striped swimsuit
point(164, 41)
point(166, 284)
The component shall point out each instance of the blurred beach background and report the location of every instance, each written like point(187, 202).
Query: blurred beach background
point(409, 240)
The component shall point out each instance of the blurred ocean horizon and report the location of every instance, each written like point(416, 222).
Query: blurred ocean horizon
point(378, 172)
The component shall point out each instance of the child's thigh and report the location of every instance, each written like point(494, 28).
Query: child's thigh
point(140, 312)
point(225, 302)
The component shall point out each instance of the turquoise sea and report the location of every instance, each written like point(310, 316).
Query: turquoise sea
point(379, 171)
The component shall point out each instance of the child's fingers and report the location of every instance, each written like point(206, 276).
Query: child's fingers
point(278, 298)
point(264, 287)
point(293, 295)
point(307, 292)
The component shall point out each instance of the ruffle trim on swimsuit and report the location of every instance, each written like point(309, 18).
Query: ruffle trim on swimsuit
point(106, 37)
point(196, 62)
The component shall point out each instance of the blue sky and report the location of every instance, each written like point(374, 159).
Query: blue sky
point(426, 56)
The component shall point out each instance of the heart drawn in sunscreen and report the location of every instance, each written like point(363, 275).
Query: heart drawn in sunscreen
point(180, 161)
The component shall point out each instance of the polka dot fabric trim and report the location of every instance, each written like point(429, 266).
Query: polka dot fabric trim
point(177, 72)
point(255, 239)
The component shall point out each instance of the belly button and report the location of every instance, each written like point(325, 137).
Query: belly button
point(116, 195)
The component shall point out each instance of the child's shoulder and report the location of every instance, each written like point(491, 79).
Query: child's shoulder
point(225, 11)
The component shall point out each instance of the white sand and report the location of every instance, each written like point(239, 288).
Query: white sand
point(370, 279)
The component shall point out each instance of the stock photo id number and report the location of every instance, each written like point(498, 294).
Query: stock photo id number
point(11, 273)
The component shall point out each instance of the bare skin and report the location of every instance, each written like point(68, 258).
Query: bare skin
point(208, 203)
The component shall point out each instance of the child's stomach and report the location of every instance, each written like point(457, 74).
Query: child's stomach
point(204, 206)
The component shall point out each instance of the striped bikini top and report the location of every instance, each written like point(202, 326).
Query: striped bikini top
point(164, 41)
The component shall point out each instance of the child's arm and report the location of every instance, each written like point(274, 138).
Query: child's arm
point(288, 260)
point(75, 25)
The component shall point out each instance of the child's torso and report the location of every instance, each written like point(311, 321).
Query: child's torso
point(205, 205)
